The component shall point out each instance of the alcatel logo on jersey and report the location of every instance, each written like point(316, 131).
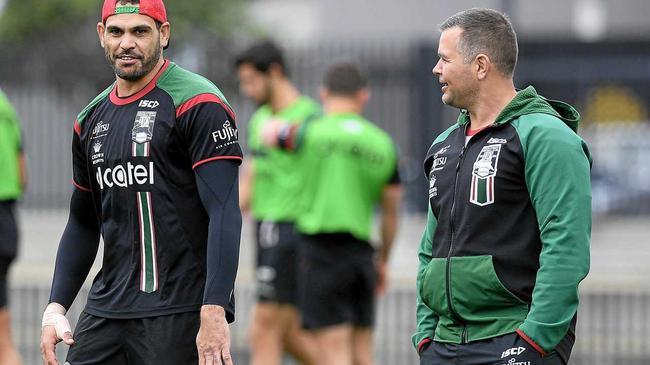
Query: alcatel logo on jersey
point(148, 103)
point(226, 133)
point(125, 176)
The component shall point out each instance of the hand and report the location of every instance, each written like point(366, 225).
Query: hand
point(382, 277)
point(271, 132)
point(55, 328)
point(213, 340)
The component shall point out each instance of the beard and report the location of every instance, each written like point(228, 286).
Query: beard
point(148, 62)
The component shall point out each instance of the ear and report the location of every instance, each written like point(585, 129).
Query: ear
point(101, 28)
point(165, 33)
point(363, 96)
point(323, 93)
point(482, 66)
point(275, 71)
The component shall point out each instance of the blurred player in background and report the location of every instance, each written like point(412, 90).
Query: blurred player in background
point(269, 189)
point(12, 184)
point(507, 238)
point(349, 167)
point(155, 167)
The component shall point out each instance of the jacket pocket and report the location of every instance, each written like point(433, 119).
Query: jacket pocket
point(477, 293)
point(433, 291)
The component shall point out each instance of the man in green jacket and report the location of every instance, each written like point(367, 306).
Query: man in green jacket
point(12, 182)
point(509, 222)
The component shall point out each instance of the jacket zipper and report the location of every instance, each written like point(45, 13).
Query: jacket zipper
point(455, 314)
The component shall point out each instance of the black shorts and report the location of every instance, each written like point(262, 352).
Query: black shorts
point(337, 281)
point(163, 340)
point(8, 245)
point(276, 262)
point(501, 350)
point(5, 262)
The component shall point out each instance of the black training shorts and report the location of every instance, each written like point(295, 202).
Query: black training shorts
point(337, 281)
point(276, 262)
point(163, 340)
point(8, 245)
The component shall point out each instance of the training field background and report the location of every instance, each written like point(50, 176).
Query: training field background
point(594, 54)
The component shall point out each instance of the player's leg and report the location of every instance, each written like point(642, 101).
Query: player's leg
point(297, 341)
point(362, 346)
point(334, 344)
point(267, 327)
point(8, 352)
point(265, 335)
point(97, 341)
point(163, 340)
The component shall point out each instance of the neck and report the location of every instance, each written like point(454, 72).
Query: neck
point(127, 88)
point(487, 108)
point(341, 105)
point(283, 94)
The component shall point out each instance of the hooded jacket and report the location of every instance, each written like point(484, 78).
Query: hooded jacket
point(508, 230)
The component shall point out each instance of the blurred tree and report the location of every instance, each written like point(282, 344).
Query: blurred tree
point(26, 20)
point(54, 41)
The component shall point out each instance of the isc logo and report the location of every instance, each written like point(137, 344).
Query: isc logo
point(513, 352)
point(148, 103)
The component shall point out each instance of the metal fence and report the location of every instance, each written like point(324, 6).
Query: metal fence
point(613, 328)
point(405, 102)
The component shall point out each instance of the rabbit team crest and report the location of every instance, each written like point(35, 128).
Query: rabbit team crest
point(483, 173)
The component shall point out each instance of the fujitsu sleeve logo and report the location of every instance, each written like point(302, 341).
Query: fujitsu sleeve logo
point(226, 135)
point(483, 173)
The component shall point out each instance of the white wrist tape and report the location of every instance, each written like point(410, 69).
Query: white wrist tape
point(55, 316)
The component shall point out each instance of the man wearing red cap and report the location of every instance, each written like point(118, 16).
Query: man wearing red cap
point(155, 169)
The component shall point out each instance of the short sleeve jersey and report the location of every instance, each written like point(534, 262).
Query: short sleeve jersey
point(347, 162)
point(276, 181)
point(136, 155)
point(10, 149)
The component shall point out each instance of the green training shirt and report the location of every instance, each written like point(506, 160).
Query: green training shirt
point(10, 149)
point(276, 179)
point(346, 162)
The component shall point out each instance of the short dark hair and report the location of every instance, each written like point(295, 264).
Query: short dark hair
point(345, 79)
point(486, 31)
point(261, 56)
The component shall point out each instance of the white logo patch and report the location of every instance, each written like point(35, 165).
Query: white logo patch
point(497, 140)
point(433, 190)
point(513, 351)
point(125, 176)
point(483, 174)
point(226, 135)
point(142, 131)
point(439, 162)
point(100, 130)
point(148, 103)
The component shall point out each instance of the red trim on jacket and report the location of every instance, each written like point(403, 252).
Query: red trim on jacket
point(203, 98)
point(150, 86)
point(423, 343)
point(77, 127)
point(531, 342)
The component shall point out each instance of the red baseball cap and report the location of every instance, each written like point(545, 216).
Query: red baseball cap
point(152, 8)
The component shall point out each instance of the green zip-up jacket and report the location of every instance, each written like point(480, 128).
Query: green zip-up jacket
point(509, 223)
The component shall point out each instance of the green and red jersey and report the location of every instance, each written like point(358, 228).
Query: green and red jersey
point(136, 156)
